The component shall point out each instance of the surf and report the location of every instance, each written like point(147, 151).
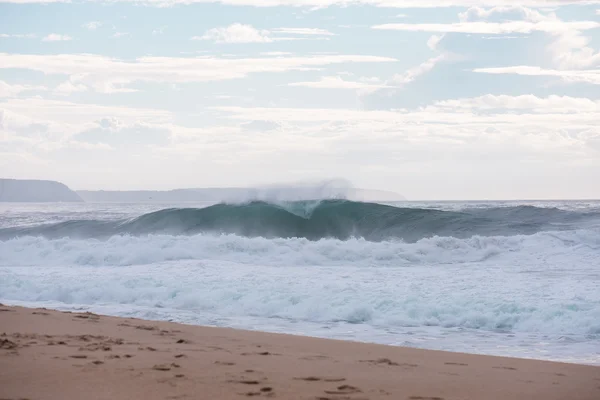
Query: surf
point(315, 220)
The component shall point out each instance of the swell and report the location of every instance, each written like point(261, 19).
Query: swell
point(314, 220)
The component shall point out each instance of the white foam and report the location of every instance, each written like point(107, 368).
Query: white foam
point(544, 288)
point(131, 250)
point(524, 283)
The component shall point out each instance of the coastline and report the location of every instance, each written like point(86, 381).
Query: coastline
point(46, 354)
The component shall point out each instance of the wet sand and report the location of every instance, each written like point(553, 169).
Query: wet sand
point(46, 355)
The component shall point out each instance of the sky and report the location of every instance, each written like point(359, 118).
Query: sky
point(433, 99)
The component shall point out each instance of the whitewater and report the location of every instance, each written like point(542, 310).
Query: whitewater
point(506, 278)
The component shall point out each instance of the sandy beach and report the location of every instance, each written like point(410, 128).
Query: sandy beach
point(49, 355)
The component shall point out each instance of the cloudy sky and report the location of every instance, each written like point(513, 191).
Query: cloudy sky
point(435, 99)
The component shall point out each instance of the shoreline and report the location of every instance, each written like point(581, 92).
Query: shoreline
point(47, 354)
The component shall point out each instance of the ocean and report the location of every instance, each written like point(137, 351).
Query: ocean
point(518, 279)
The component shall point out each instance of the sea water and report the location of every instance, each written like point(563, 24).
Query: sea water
point(505, 278)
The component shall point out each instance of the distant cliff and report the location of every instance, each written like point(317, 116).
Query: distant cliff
point(238, 194)
point(18, 190)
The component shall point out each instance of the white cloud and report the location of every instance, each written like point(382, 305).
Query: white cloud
point(583, 76)
point(336, 82)
point(17, 35)
point(236, 33)
point(568, 47)
point(8, 90)
point(55, 37)
point(92, 25)
point(493, 27)
point(307, 142)
point(62, 119)
point(413, 73)
point(243, 33)
point(108, 74)
point(68, 87)
point(433, 41)
point(550, 104)
point(435, 116)
point(120, 34)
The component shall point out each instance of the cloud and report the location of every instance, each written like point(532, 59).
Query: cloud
point(568, 47)
point(571, 76)
point(413, 73)
point(92, 25)
point(8, 90)
point(498, 28)
point(70, 86)
point(120, 34)
point(236, 33)
point(55, 37)
point(433, 41)
point(59, 120)
point(107, 74)
point(336, 82)
point(307, 142)
point(17, 35)
point(243, 33)
point(530, 103)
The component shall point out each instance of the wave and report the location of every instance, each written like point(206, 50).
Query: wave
point(533, 250)
point(314, 220)
point(537, 283)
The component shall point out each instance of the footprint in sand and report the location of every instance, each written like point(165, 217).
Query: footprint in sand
point(425, 398)
point(8, 344)
point(455, 363)
point(387, 361)
point(246, 382)
point(162, 367)
point(317, 379)
point(344, 389)
point(510, 368)
point(146, 327)
point(262, 353)
point(311, 358)
point(224, 363)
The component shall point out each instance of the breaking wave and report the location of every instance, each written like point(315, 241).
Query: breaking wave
point(314, 220)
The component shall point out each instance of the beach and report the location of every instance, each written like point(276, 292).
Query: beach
point(48, 354)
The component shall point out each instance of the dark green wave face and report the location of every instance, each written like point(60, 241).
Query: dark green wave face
point(315, 220)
